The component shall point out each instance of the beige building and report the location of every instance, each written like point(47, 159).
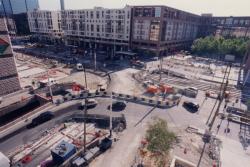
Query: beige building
point(45, 24)
point(100, 26)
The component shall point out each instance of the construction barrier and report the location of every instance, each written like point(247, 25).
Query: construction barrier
point(136, 99)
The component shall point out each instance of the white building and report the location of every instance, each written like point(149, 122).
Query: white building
point(104, 27)
point(46, 24)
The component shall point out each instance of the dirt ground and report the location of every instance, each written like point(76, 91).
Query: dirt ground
point(34, 69)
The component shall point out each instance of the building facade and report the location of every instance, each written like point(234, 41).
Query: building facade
point(46, 25)
point(98, 27)
point(156, 29)
point(225, 26)
point(14, 10)
point(9, 81)
point(162, 29)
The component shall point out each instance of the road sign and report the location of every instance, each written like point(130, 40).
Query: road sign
point(229, 58)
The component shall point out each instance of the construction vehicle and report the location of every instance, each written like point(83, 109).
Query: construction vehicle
point(166, 88)
point(152, 89)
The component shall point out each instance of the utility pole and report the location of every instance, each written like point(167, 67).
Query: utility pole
point(85, 109)
point(221, 96)
point(160, 58)
point(95, 56)
point(221, 86)
point(49, 85)
point(110, 116)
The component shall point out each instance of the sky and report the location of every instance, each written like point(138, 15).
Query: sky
point(216, 7)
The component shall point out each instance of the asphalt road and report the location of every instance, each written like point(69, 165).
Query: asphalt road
point(137, 116)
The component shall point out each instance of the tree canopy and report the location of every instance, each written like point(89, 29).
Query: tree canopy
point(160, 140)
point(220, 46)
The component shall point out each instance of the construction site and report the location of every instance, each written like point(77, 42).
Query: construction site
point(76, 141)
point(194, 74)
point(143, 91)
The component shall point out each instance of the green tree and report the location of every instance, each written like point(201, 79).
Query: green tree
point(160, 140)
point(221, 46)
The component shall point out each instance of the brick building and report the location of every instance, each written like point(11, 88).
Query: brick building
point(9, 81)
point(161, 29)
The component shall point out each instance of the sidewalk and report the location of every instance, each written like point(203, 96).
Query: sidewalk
point(233, 154)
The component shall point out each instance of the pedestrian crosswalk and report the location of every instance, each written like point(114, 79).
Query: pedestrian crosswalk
point(204, 86)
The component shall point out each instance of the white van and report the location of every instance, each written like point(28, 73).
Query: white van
point(79, 66)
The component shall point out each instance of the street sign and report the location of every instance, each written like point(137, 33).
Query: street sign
point(230, 58)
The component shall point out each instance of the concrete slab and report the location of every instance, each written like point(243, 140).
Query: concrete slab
point(30, 72)
point(232, 153)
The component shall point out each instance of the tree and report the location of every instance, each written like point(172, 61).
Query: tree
point(160, 140)
point(221, 46)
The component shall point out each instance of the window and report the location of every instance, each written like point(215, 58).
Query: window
point(97, 14)
point(98, 28)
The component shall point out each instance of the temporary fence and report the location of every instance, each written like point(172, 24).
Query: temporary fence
point(120, 96)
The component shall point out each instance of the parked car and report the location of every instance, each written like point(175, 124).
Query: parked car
point(192, 106)
point(138, 64)
point(117, 106)
point(44, 117)
point(91, 103)
point(192, 89)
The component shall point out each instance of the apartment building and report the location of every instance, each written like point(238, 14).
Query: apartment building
point(99, 27)
point(9, 81)
point(46, 25)
point(232, 26)
point(162, 29)
point(225, 26)
point(155, 29)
